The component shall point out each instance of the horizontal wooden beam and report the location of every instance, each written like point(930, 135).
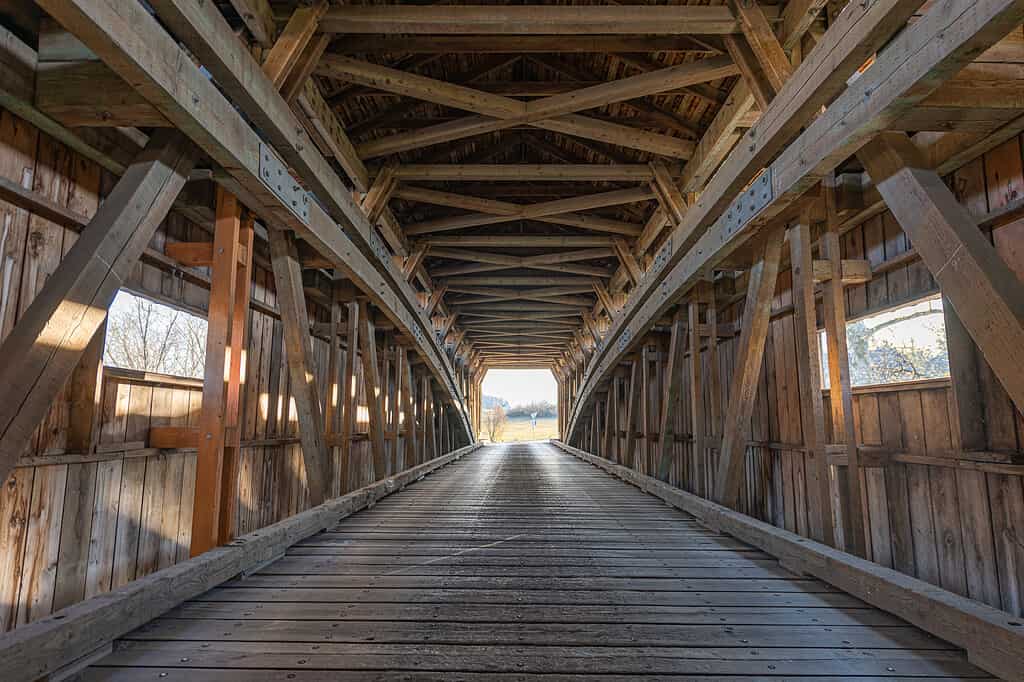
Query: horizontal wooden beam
point(531, 281)
point(521, 241)
point(447, 44)
point(639, 172)
point(532, 20)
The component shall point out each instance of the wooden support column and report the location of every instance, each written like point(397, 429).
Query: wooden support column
point(85, 410)
point(350, 480)
point(393, 380)
point(840, 389)
point(210, 503)
point(670, 396)
point(648, 387)
point(429, 430)
point(812, 413)
point(374, 395)
point(964, 378)
point(631, 449)
point(986, 294)
point(59, 324)
point(696, 390)
point(299, 351)
point(411, 455)
point(232, 415)
point(750, 352)
point(332, 410)
point(714, 379)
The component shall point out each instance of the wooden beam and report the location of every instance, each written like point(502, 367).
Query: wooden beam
point(213, 416)
point(670, 397)
point(506, 44)
point(372, 387)
point(294, 39)
point(628, 260)
point(757, 84)
point(812, 413)
point(531, 20)
point(237, 340)
point(58, 325)
point(554, 113)
point(531, 172)
point(855, 526)
point(521, 241)
point(986, 294)
point(695, 389)
point(350, 480)
point(750, 351)
point(761, 38)
point(258, 18)
point(490, 211)
point(669, 197)
point(408, 401)
point(301, 367)
point(85, 406)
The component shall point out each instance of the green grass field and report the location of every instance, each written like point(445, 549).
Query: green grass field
point(520, 430)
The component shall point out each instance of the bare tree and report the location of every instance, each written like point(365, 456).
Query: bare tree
point(494, 423)
point(152, 337)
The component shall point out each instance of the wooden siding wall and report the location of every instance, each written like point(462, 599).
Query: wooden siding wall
point(935, 510)
point(73, 525)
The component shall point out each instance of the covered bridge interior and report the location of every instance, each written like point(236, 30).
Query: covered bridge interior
point(771, 252)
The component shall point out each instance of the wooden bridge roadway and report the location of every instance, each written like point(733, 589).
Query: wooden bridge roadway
point(520, 561)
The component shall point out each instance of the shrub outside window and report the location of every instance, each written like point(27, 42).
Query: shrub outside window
point(906, 343)
point(153, 337)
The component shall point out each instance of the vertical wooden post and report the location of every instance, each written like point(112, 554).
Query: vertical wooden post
point(630, 453)
point(429, 431)
point(371, 386)
point(964, 374)
point(646, 408)
point(299, 351)
point(696, 397)
point(349, 480)
point(840, 389)
point(213, 416)
point(398, 462)
point(408, 409)
point(750, 352)
point(86, 393)
point(714, 380)
point(333, 410)
point(670, 396)
point(808, 354)
point(232, 433)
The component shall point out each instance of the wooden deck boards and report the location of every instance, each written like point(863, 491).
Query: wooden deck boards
point(519, 561)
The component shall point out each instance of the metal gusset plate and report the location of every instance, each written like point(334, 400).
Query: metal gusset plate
point(279, 180)
point(747, 205)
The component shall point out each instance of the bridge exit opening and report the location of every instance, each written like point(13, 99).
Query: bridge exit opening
point(519, 405)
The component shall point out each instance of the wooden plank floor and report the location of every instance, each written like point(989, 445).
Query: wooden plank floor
point(520, 561)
